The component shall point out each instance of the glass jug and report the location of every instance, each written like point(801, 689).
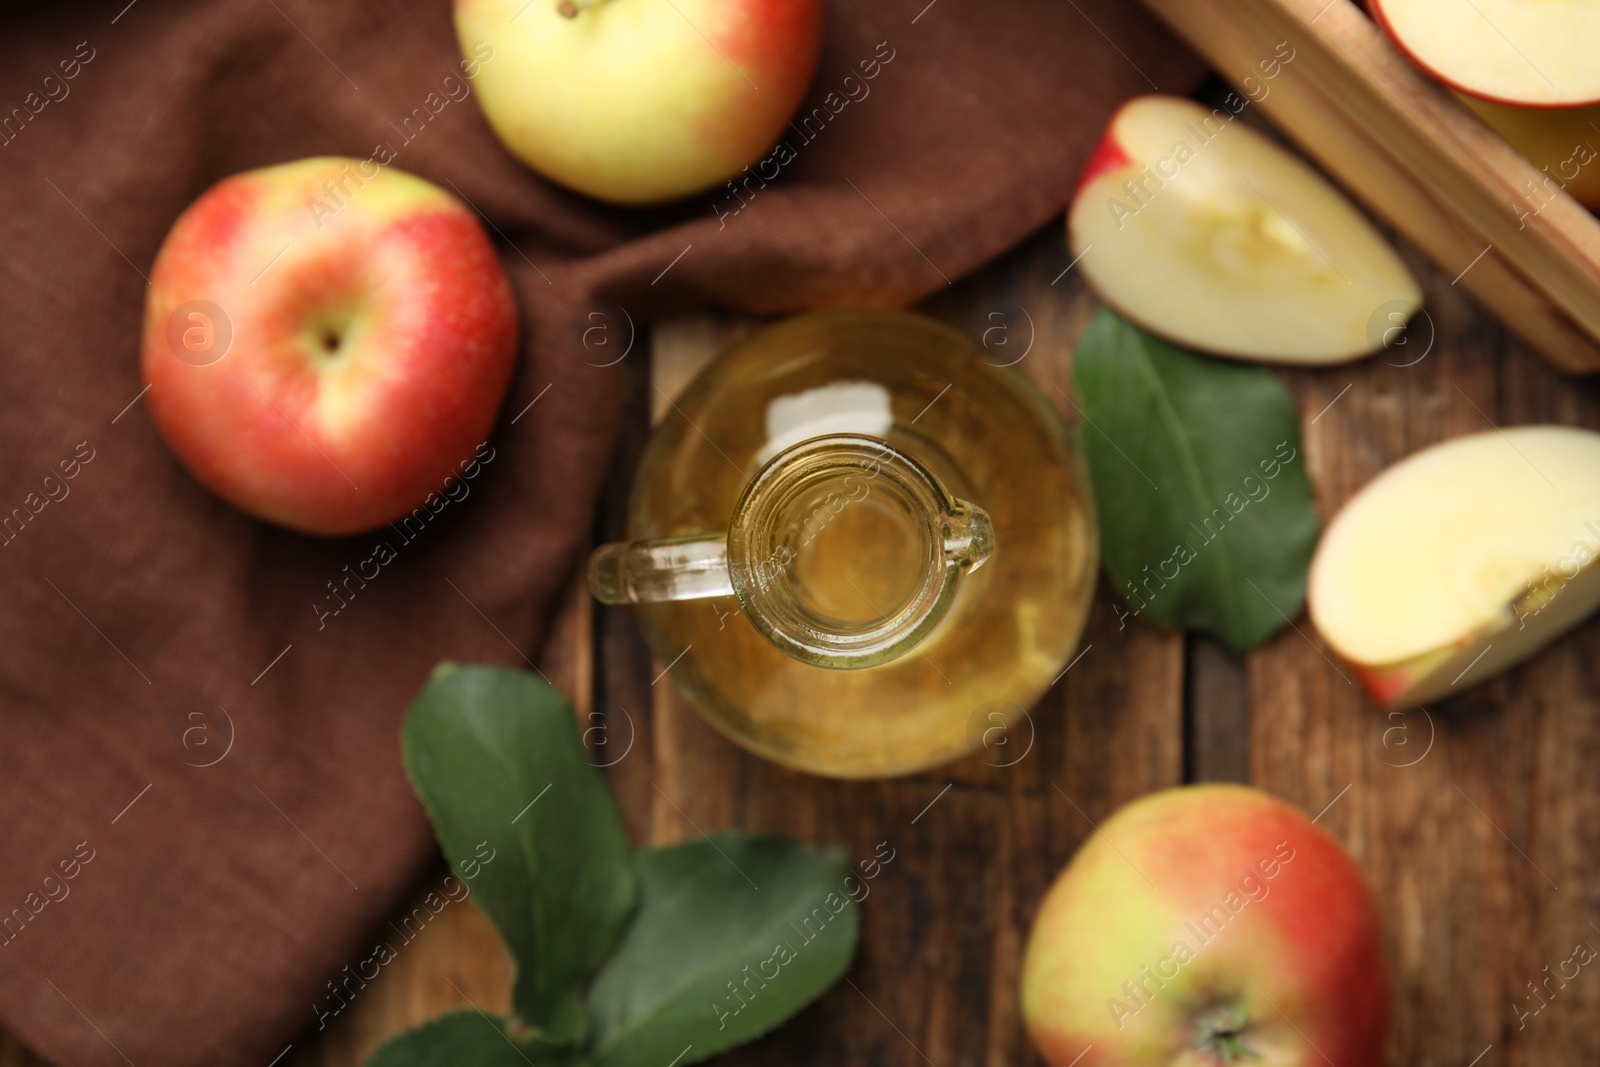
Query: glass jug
point(859, 546)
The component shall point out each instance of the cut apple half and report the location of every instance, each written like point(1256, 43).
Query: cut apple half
point(1539, 53)
point(1461, 560)
point(1204, 231)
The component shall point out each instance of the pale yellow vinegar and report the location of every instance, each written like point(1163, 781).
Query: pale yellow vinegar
point(990, 437)
point(861, 565)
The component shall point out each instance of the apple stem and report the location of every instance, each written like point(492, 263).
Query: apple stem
point(568, 9)
point(1221, 1033)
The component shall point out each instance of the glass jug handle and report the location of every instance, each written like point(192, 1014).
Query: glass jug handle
point(649, 572)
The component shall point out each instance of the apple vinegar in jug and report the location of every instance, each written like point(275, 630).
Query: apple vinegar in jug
point(850, 548)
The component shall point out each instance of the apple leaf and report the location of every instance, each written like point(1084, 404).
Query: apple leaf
point(465, 1037)
point(496, 758)
point(708, 961)
point(734, 934)
point(1206, 514)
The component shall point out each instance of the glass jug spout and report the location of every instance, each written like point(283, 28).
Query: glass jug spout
point(843, 551)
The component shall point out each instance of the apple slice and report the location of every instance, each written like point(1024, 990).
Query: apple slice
point(1204, 231)
point(1461, 560)
point(1536, 52)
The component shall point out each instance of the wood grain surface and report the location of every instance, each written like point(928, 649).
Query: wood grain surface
point(1478, 821)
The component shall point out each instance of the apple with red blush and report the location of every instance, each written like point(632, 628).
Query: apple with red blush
point(327, 341)
point(1208, 924)
point(639, 101)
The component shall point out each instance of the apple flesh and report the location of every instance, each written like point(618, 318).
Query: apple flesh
point(1204, 231)
point(1564, 142)
point(1202, 925)
point(326, 341)
point(1534, 52)
point(638, 101)
point(1461, 560)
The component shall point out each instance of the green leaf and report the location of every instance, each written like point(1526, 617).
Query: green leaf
point(463, 1039)
point(496, 758)
point(734, 934)
point(1205, 510)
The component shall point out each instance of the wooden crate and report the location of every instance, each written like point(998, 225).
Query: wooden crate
point(1417, 158)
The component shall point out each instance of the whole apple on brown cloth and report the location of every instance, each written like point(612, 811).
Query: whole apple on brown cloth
point(140, 608)
point(328, 376)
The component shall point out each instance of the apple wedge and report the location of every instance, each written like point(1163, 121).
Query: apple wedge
point(1461, 560)
point(1532, 52)
point(1206, 232)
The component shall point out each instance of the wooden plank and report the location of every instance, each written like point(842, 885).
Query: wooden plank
point(624, 673)
point(1217, 714)
point(1460, 812)
point(1417, 157)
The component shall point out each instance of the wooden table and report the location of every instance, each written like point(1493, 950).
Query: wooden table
point(1478, 822)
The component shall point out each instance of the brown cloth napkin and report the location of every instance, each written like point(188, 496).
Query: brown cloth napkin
point(202, 808)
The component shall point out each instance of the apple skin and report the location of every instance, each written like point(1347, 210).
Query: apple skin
point(637, 101)
point(1387, 685)
point(1108, 157)
point(401, 274)
point(1301, 956)
point(1397, 685)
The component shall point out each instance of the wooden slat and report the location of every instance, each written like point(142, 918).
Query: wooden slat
point(1417, 157)
point(1217, 738)
point(624, 669)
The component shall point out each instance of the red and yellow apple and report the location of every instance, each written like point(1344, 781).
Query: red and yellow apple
point(1204, 231)
point(324, 341)
point(1461, 560)
point(1207, 925)
point(1532, 52)
point(641, 101)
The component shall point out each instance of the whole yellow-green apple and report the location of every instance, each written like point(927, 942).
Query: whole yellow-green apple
point(327, 342)
point(640, 101)
point(1207, 925)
